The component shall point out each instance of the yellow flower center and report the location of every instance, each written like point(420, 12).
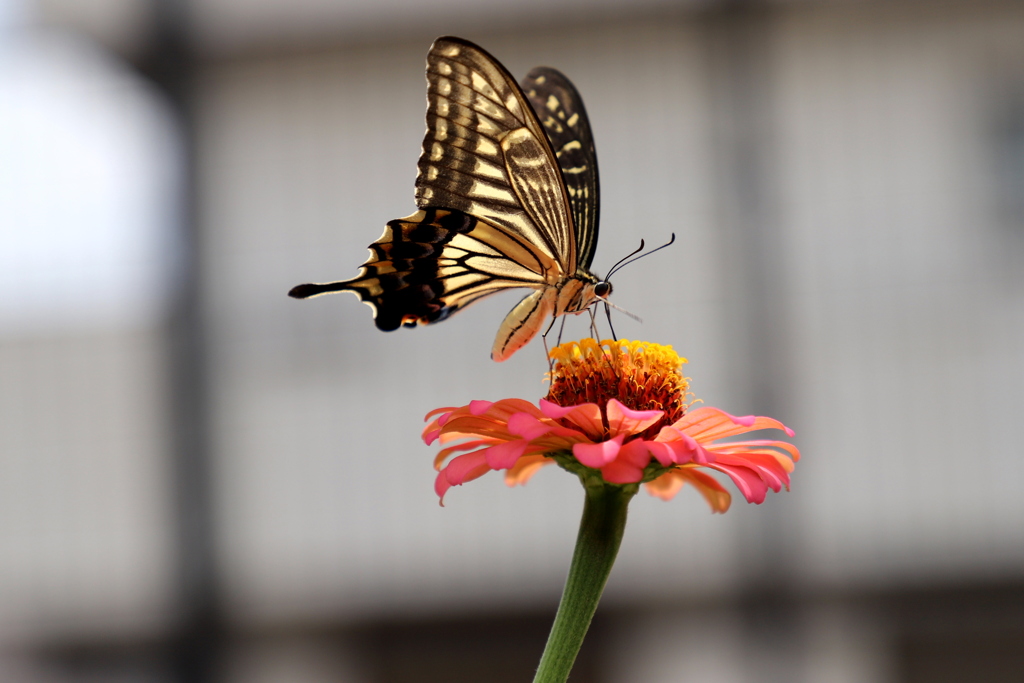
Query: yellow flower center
point(641, 375)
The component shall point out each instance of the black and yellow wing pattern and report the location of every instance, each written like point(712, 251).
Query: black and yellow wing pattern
point(508, 196)
point(560, 109)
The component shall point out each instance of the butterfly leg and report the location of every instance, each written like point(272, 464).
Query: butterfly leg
point(593, 324)
point(608, 313)
point(561, 330)
point(544, 338)
point(551, 363)
point(615, 337)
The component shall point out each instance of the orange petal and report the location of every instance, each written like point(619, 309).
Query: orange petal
point(757, 445)
point(714, 493)
point(783, 460)
point(708, 424)
point(586, 416)
point(438, 411)
point(623, 420)
point(504, 409)
point(666, 486)
point(525, 468)
point(529, 427)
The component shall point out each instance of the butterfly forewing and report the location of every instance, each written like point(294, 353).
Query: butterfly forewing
point(486, 154)
point(560, 109)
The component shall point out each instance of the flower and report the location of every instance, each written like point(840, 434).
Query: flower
point(617, 408)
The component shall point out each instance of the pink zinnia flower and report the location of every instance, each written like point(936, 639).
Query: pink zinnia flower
point(618, 408)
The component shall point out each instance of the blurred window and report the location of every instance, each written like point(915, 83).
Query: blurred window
point(1009, 143)
point(88, 166)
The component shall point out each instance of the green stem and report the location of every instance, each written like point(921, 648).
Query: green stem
point(604, 520)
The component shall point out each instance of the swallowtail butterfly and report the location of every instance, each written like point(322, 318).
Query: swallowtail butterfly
point(508, 195)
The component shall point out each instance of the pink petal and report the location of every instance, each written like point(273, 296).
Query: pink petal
point(662, 452)
point(682, 448)
point(586, 416)
point(628, 466)
point(597, 455)
point(445, 453)
point(746, 421)
point(619, 472)
point(623, 420)
point(527, 426)
point(460, 470)
point(749, 484)
point(466, 467)
point(635, 452)
point(478, 408)
point(766, 467)
point(441, 486)
point(553, 410)
point(504, 455)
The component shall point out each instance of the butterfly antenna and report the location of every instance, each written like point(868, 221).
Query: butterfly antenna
point(633, 253)
point(624, 262)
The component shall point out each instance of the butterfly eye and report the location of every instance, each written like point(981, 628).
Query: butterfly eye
point(603, 289)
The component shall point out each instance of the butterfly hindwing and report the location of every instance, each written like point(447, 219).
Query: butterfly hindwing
point(433, 263)
point(560, 109)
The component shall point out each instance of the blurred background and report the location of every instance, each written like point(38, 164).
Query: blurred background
point(204, 480)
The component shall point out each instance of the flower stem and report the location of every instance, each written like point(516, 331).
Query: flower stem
point(604, 520)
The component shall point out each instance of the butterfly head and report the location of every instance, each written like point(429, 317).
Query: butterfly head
point(602, 289)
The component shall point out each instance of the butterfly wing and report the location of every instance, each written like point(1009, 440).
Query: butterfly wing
point(433, 263)
point(495, 209)
point(560, 110)
point(486, 154)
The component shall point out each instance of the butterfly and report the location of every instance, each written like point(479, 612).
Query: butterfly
point(507, 190)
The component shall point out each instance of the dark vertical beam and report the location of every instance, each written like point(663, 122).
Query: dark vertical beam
point(742, 93)
point(195, 649)
point(759, 321)
point(743, 86)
